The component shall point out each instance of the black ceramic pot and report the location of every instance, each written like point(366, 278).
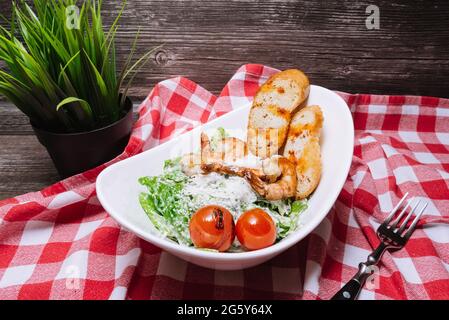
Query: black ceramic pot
point(74, 153)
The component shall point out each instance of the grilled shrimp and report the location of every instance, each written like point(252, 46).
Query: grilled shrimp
point(274, 179)
point(227, 150)
point(210, 159)
point(284, 187)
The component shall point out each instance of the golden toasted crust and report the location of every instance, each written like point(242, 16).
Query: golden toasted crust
point(272, 109)
point(303, 148)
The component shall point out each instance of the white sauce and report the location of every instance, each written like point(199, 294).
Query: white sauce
point(233, 193)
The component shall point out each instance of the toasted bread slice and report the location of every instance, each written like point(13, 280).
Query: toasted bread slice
point(303, 148)
point(272, 110)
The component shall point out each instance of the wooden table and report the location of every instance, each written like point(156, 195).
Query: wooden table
point(207, 41)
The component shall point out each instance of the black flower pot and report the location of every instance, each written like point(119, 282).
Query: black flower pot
point(74, 153)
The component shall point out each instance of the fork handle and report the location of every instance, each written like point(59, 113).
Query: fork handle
point(351, 290)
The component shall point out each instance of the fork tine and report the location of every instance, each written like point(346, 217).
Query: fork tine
point(415, 222)
point(399, 217)
point(404, 223)
point(392, 213)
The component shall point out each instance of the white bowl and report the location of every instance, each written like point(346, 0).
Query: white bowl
point(118, 188)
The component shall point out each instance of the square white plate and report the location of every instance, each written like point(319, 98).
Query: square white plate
point(118, 188)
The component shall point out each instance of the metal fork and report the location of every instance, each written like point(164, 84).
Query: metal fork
point(391, 237)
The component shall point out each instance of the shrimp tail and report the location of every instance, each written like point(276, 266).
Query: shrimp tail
point(284, 188)
point(256, 182)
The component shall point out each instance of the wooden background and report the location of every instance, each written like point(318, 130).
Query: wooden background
point(207, 41)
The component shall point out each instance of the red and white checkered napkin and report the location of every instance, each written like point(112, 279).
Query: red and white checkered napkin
point(59, 243)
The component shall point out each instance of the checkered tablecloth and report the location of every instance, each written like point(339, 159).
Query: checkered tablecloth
point(59, 243)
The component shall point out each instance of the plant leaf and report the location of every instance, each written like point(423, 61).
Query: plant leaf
point(85, 106)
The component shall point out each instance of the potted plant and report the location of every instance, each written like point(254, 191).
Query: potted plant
point(61, 71)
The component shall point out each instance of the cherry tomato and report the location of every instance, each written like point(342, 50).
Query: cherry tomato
point(256, 229)
point(212, 227)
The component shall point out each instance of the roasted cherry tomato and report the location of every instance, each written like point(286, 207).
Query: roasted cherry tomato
point(212, 227)
point(256, 229)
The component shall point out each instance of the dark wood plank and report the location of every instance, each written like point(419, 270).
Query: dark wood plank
point(13, 121)
point(207, 41)
point(24, 165)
